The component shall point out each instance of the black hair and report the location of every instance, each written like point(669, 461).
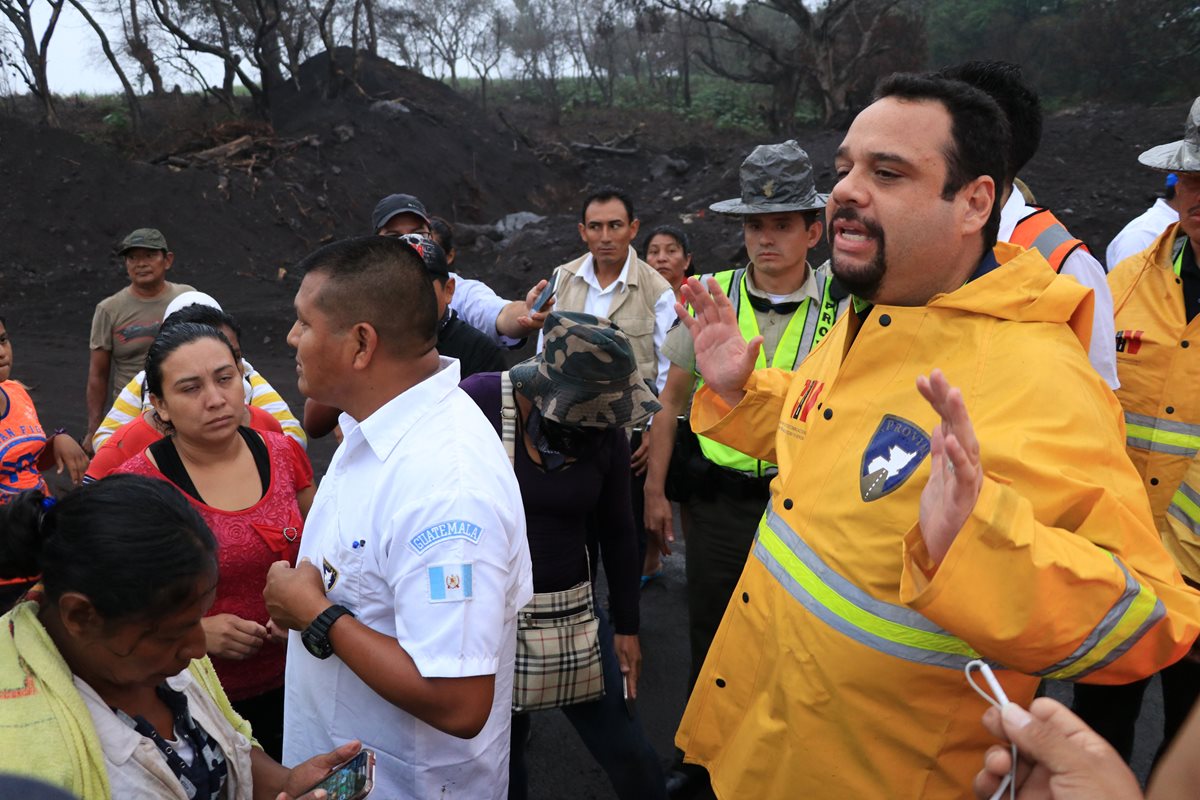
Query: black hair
point(979, 134)
point(1003, 82)
point(204, 315)
point(383, 282)
point(676, 233)
point(604, 194)
point(132, 545)
point(172, 337)
point(1168, 195)
point(442, 233)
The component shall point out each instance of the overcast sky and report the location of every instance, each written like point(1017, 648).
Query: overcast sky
point(76, 62)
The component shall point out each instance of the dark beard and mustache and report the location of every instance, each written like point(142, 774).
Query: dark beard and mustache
point(862, 282)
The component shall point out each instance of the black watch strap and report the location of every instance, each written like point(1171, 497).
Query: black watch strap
point(316, 636)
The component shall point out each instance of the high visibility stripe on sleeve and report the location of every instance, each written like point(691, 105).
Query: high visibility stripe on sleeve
point(1161, 435)
point(1134, 613)
point(1185, 507)
point(885, 627)
point(899, 631)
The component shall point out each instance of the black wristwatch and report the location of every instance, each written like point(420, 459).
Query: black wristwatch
point(316, 635)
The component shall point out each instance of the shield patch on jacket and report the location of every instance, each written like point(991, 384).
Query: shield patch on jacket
point(893, 454)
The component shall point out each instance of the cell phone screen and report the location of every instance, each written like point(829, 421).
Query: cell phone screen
point(352, 780)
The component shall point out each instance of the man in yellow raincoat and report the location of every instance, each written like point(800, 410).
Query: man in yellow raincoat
point(915, 526)
point(1158, 322)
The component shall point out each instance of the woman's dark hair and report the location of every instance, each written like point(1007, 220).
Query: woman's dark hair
point(675, 233)
point(170, 338)
point(133, 545)
point(204, 315)
point(443, 234)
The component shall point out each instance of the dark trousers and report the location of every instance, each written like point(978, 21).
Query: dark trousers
point(719, 531)
point(637, 498)
point(264, 712)
point(613, 737)
point(1113, 710)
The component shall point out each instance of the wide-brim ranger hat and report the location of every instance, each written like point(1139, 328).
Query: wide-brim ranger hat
point(586, 375)
point(775, 178)
point(1181, 156)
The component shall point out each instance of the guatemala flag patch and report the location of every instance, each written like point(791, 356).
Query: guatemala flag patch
point(893, 454)
point(449, 583)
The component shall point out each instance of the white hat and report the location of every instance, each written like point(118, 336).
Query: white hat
point(191, 299)
point(1181, 156)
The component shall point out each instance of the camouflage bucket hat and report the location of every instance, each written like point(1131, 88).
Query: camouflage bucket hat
point(776, 178)
point(1181, 156)
point(586, 375)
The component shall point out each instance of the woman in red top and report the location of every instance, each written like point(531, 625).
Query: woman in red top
point(24, 452)
point(252, 488)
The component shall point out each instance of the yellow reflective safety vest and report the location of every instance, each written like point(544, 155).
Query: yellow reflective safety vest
point(1158, 362)
point(837, 671)
point(806, 328)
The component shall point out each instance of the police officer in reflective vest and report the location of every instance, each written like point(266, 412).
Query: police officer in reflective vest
point(1156, 296)
point(780, 297)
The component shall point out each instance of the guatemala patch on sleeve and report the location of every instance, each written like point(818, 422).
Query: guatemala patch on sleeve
point(891, 457)
point(449, 583)
point(444, 531)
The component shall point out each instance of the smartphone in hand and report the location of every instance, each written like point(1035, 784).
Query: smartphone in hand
point(547, 293)
point(352, 780)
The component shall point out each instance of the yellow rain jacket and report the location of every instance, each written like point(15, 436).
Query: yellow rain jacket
point(837, 671)
point(1158, 362)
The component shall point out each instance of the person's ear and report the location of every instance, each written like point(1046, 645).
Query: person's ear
point(365, 340)
point(978, 197)
point(78, 616)
point(583, 231)
point(170, 258)
point(633, 228)
point(448, 290)
point(814, 233)
point(160, 407)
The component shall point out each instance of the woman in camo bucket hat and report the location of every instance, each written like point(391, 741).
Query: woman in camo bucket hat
point(586, 375)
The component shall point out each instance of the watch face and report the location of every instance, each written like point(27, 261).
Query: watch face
point(316, 644)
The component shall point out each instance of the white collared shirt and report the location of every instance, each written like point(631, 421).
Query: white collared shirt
point(1140, 233)
point(137, 768)
point(479, 306)
point(1085, 269)
point(600, 299)
point(419, 530)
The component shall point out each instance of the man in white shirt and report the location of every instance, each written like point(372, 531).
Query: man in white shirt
point(506, 322)
point(1142, 230)
point(1033, 227)
point(611, 281)
point(414, 560)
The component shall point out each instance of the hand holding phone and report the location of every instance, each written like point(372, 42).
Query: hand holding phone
point(352, 780)
point(547, 293)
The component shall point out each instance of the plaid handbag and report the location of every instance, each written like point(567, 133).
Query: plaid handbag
point(558, 634)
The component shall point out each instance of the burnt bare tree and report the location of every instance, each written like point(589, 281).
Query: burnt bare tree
point(131, 101)
point(485, 49)
point(137, 45)
point(791, 46)
point(33, 50)
point(205, 26)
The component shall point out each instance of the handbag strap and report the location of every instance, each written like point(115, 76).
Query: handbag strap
point(508, 418)
point(508, 435)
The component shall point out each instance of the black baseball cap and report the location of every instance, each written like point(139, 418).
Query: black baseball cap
point(393, 205)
